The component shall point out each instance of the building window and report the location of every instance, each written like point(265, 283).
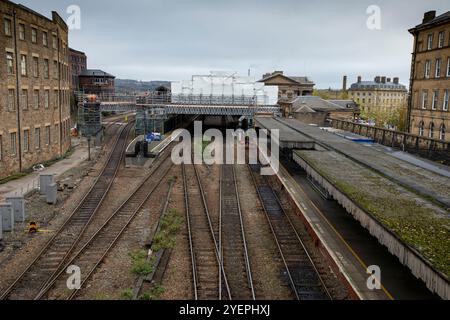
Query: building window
point(26, 140)
point(9, 63)
point(24, 99)
point(441, 39)
point(424, 99)
point(56, 98)
point(430, 42)
point(21, 31)
point(434, 103)
point(11, 99)
point(427, 68)
point(34, 35)
point(36, 99)
point(448, 67)
point(431, 131)
point(55, 42)
point(7, 27)
point(421, 125)
point(56, 133)
point(45, 39)
point(446, 96)
point(35, 67)
point(442, 132)
point(46, 69)
point(23, 65)
point(47, 135)
point(13, 143)
point(37, 138)
point(46, 99)
point(438, 68)
point(55, 69)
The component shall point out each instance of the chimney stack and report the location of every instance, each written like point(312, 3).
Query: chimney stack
point(396, 80)
point(388, 80)
point(383, 79)
point(344, 84)
point(377, 79)
point(359, 79)
point(428, 16)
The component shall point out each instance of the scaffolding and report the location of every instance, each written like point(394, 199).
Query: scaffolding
point(89, 116)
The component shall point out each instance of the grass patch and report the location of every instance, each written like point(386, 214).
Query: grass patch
point(153, 294)
point(140, 265)
point(169, 226)
point(13, 177)
point(126, 294)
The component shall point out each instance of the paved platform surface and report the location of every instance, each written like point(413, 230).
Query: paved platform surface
point(426, 182)
point(29, 182)
point(356, 243)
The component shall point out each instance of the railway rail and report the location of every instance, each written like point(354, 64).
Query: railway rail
point(209, 278)
point(93, 252)
point(232, 242)
point(303, 276)
point(63, 242)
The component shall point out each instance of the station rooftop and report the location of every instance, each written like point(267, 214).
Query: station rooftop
point(423, 181)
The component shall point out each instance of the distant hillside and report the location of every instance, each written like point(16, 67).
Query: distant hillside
point(132, 86)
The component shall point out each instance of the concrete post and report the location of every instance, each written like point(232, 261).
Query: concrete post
point(7, 216)
point(18, 207)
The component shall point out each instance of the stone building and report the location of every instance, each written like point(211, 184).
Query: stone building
point(34, 88)
point(289, 88)
point(97, 82)
point(382, 94)
point(430, 77)
point(77, 64)
point(315, 110)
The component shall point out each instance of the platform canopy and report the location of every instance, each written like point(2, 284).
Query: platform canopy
point(226, 84)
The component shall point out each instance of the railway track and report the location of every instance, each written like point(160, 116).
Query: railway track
point(232, 242)
point(303, 276)
point(62, 243)
point(209, 279)
point(92, 253)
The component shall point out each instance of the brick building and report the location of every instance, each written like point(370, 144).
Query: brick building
point(77, 64)
point(382, 94)
point(97, 82)
point(428, 105)
point(34, 88)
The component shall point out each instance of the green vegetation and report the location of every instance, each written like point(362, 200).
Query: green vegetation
point(140, 265)
point(153, 294)
point(126, 294)
point(396, 208)
point(13, 177)
point(169, 226)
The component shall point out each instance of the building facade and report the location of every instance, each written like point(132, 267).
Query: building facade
point(428, 107)
point(34, 88)
point(77, 64)
point(97, 82)
point(289, 88)
point(383, 94)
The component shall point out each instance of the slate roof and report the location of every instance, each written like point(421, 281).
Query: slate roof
point(317, 104)
point(96, 73)
point(439, 19)
point(377, 85)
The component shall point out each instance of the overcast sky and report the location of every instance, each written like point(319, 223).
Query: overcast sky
point(171, 40)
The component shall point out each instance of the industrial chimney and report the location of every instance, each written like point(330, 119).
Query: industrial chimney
point(344, 84)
